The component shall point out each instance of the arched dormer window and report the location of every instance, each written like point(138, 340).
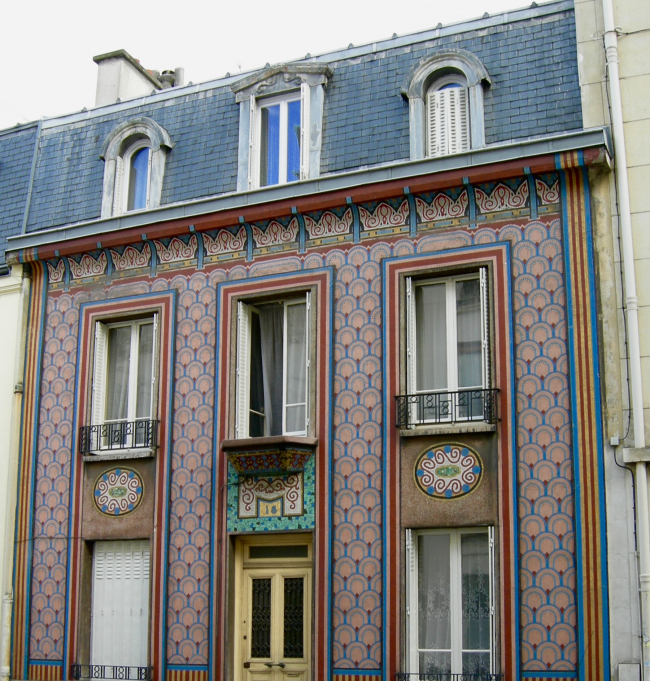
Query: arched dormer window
point(134, 154)
point(445, 95)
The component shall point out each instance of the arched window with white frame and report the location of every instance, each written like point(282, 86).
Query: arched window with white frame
point(134, 155)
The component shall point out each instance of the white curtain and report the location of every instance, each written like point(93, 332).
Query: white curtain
point(271, 326)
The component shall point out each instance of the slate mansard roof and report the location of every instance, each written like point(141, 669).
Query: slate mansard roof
point(530, 55)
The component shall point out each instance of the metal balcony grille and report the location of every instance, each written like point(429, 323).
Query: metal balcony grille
point(100, 671)
point(447, 407)
point(141, 434)
point(448, 677)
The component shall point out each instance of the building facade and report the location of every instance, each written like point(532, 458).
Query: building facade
point(312, 382)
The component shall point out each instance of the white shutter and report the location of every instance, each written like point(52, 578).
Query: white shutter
point(411, 612)
point(154, 366)
point(305, 113)
point(463, 119)
point(99, 373)
point(118, 187)
point(308, 360)
point(437, 128)
point(120, 607)
point(492, 607)
point(252, 135)
point(485, 326)
point(456, 106)
point(411, 359)
point(243, 363)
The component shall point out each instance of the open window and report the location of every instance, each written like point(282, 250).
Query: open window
point(448, 351)
point(273, 368)
point(450, 602)
point(124, 383)
point(132, 175)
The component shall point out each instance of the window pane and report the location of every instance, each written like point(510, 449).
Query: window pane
point(476, 663)
point(468, 324)
point(296, 366)
point(117, 388)
point(138, 180)
point(272, 341)
point(294, 590)
point(476, 591)
point(270, 146)
point(431, 341)
point(293, 141)
point(434, 625)
point(261, 618)
point(435, 663)
point(256, 403)
point(145, 359)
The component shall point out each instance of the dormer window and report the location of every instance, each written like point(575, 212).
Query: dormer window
point(134, 154)
point(445, 96)
point(279, 140)
point(448, 130)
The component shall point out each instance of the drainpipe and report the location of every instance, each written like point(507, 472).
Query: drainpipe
point(631, 304)
point(12, 488)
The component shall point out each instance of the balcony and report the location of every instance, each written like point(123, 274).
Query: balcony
point(101, 671)
point(448, 677)
point(449, 407)
point(117, 436)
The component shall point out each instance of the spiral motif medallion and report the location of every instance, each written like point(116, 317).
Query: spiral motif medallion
point(118, 492)
point(448, 471)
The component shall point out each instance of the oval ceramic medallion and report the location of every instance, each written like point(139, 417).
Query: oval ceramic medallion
point(118, 491)
point(448, 471)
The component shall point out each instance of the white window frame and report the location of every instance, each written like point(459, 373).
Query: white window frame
point(122, 176)
point(452, 357)
point(448, 117)
point(100, 370)
point(411, 609)
point(255, 145)
point(242, 414)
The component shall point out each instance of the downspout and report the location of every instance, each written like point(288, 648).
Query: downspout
point(12, 488)
point(631, 305)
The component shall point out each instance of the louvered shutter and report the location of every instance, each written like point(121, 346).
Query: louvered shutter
point(456, 106)
point(252, 134)
point(243, 363)
point(99, 373)
point(411, 602)
point(485, 326)
point(437, 124)
point(308, 359)
point(411, 359)
point(492, 604)
point(305, 112)
point(118, 187)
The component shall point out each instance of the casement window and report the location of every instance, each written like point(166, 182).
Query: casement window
point(448, 129)
point(132, 178)
point(279, 148)
point(450, 601)
point(273, 368)
point(123, 387)
point(448, 353)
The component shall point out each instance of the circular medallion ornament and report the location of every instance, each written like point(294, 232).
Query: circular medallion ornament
point(448, 471)
point(118, 491)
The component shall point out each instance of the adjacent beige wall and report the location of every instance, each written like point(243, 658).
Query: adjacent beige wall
point(633, 17)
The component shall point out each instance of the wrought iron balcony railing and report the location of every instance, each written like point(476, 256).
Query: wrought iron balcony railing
point(106, 437)
point(448, 677)
point(101, 671)
point(447, 407)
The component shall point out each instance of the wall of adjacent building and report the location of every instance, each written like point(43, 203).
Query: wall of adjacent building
point(633, 18)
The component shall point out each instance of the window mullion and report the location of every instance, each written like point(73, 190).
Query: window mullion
point(452, 345)
point(284, 367)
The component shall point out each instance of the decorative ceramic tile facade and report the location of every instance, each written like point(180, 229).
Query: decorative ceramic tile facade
point(448, 471)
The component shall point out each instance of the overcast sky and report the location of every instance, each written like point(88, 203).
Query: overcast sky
point(47, 46)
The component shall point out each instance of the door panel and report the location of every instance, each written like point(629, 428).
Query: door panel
point(275, 624)
point(120, 603)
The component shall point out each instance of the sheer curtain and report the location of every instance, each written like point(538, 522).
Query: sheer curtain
point(119, 360)
point(271, 326)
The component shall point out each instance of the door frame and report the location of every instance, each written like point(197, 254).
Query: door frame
point(242, 562)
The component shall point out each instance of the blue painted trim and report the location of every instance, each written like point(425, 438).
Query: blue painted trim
point(471, 200)
point(301, 230)
point(356, 221)
point(413, 215)
point(372, 673)
point(387, 406)
point(172, 293)
point(200, 248)
point(109, 264)
point(154, 257)
point(532, 191)
point(249, 240)
point(582, 643)
point(46, 663)
point(66, 274)
point(330, 271)
point(188, 667)
point(548, 675)
point(597, 401)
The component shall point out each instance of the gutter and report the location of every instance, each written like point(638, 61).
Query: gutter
point(348, 184)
